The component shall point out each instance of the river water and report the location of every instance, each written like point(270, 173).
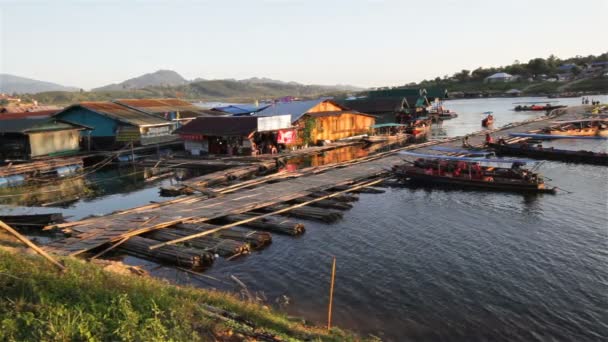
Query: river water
point(419, 264)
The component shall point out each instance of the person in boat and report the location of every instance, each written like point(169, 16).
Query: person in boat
point(489, 139)
point(465, 141)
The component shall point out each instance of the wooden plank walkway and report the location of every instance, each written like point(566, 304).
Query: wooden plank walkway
point(92, 233)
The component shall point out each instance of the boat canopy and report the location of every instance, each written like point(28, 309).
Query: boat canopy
point(469, 159)
point(388, 125)
point(554, 136)
point(488, 113)
point(582, 120)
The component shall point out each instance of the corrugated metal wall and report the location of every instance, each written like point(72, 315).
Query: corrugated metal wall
point(46, 143)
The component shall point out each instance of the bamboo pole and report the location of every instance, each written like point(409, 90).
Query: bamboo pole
point(280, 211)
point(331, 293)
point(110, 248)
point(32, 245)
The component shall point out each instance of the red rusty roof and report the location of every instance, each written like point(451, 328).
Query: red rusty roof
point(161, 106)
point(121, 113)
point(23, 115)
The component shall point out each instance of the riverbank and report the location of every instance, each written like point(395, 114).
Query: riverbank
point(87, 302)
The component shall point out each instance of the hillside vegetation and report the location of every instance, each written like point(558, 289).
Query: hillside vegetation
point(87, 303)
point(225, 90)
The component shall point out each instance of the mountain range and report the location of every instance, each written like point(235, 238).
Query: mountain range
point(165, 79)
point(15, 84)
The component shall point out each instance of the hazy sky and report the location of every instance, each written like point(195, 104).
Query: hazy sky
point(366, 43)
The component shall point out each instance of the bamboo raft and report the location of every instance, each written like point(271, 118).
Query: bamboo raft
point(253, 238)
point(273, 224)
point(39, 166)
point(32, 220)
point(215, 245)
point(175, 255)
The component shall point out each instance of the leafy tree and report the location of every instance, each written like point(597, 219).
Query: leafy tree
point(463, 75)
point(538, 66)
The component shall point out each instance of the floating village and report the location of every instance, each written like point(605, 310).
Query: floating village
point(249, 188)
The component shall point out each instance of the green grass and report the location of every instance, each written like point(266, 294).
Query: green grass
point(86, 303)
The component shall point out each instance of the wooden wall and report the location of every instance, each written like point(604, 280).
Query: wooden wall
point(340, 126)
point(325, 107)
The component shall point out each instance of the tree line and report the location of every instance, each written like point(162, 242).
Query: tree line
point(536, 66)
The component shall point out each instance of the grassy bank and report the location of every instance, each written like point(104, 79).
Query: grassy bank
point(87, 303)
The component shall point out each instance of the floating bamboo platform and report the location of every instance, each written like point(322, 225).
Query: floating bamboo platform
point(320, 193)
point(37, 167)
point(254, 238)
point(173, 255)
point(273, 224)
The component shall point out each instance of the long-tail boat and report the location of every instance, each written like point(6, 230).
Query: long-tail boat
point(533, 108)
point(390, 132)
point(583, 127)
point(467, 172)
point(550, 153)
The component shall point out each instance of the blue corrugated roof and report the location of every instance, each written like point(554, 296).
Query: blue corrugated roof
point(295, 108)
point(243, 109)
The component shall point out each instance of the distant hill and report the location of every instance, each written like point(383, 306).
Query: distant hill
point(22, 85)
point(160, 78)
point(265, 80)
point(206, 90)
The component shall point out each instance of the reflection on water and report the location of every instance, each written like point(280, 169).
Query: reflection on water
point(56, 193)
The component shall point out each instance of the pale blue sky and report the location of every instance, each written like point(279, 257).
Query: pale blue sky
point(366, 43)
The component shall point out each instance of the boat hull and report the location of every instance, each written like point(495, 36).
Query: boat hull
point(585, 157)
point(460, 182)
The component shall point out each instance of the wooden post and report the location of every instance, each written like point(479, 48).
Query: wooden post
point(331, 293)
point(31, 245)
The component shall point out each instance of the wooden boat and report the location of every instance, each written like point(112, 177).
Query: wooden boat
point(466, 172)
point(386, 138)
point(582, 127)
point(419, 129)
point(440, 112)
point(546, 107)
point(523, 149)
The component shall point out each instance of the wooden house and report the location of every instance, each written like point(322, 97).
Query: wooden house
point(321, 120)
point(30, 135)
point(115, 125)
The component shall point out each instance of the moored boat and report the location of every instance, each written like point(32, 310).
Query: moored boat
point(546, 107)
point(467, 172)
point(386, 137)
point(419, 129)
point(391, 132)
point(583, 127)
point(550, 153)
